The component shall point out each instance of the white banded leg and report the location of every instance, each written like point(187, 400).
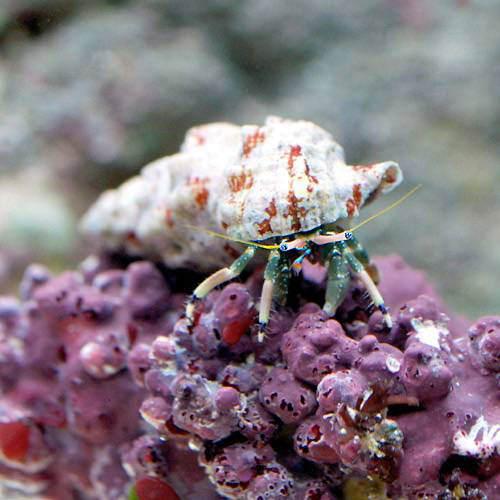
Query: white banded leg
point(271, 276)
point(216, 279)
point(370, 286)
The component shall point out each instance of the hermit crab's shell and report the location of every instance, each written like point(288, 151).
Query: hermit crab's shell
point(249, 182)
point(291, 177)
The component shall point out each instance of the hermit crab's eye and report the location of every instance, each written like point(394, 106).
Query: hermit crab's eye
point(283, 247)
point(348, 235)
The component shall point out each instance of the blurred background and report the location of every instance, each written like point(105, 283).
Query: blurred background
point(92, 90)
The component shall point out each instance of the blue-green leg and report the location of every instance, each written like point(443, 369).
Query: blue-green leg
point(272, 275)
point(360, 269)
point(216, 279)
point(362, 255)
point(358, 250)
point(280, 292)
point(339, 278)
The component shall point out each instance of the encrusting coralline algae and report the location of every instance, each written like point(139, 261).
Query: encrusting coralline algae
point(89, 357)
point(112, 387)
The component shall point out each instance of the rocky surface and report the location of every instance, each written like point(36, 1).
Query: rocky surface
point(91, 91)
point(70, 351)
point(98, 365)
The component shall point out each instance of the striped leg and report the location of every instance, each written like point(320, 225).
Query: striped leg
point(360, 269)
point(272, 276)
point(280, 292)
point(338, 281)
point(216, 279)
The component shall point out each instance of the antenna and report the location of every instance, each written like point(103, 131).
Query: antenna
point(387, 209)
point(236, 240)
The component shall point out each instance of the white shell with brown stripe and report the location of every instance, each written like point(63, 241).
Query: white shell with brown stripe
point(251, 182)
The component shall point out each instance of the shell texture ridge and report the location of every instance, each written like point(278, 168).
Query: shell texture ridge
point(250, 182)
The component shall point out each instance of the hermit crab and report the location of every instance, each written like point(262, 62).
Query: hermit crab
point(234, 193)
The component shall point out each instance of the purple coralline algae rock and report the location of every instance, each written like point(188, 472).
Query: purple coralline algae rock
point(106, 392)
point(485, 344)
point(300, 402)
point(71, 353)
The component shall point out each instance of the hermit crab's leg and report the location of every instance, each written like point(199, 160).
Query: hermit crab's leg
point(216, 279)
point(366, 279)
point(358, 250)
point(339, 278)
point(280, 292)
point(362, 255)
point(271, 279)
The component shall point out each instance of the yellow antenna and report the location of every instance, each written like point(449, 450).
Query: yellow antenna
point(275, 247)
point(224, 237)
point(387, 209)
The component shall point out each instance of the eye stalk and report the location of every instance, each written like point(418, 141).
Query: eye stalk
point(298, 243)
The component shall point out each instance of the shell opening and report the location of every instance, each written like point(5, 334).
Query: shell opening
point(391, 178)
point(389, 175)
